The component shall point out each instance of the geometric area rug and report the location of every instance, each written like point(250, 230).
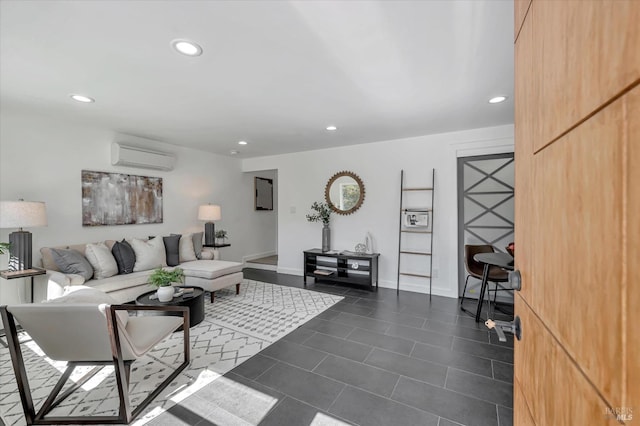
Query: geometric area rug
point(235, 328)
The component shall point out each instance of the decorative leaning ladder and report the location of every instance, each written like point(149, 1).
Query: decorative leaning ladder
point(403, 229)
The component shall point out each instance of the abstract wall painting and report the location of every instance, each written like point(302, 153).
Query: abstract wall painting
point(120, 199)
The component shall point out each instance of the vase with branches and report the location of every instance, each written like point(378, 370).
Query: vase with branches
point(322, 213)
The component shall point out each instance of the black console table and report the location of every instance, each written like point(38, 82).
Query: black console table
point(342, 267)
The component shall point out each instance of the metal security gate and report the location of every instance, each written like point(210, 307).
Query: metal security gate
point(485, 209)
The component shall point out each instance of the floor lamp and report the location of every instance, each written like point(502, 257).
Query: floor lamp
point(21, 214)
point(209, 212)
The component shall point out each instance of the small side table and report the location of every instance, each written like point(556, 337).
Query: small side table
point(25, 273)
point(216, 245)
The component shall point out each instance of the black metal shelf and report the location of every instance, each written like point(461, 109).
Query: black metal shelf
point(343, 271)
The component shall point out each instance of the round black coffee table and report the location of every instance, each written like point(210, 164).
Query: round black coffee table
point(194, 301)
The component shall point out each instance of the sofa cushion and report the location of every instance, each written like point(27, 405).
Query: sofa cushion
point(210, 269)
point(149, 254)
point(47, 257)
point(187, 252)
point(84, 294)
point(125, 256)
point(121, 282)
point(103, 263)
point(72, 262)
point(197, 243)
point(172, 249)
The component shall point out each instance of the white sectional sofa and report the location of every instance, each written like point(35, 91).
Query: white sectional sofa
point(206, 272)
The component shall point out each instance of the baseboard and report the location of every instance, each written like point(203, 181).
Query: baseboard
point(250, 257)
point(260, 266)
point(416, 288)
point(290, 271)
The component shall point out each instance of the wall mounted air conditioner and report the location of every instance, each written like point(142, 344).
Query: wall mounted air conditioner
point(133, 156)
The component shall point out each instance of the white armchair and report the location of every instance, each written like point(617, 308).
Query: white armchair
point(89, 334)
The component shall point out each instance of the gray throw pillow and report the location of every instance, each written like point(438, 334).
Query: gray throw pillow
point(197, 243)
point(125, 256)
point(72, 262)
point(172, 249)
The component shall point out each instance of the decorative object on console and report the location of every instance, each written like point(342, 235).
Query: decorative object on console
point(368, 242)
point(322, 214)
point(21, 214)
point(4, 247)
point(162, 280)
point(209, 212)
point(360, 248)
point(344, 192)
point(120, 199)
point(264, 193)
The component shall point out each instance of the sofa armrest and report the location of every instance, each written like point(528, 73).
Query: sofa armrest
point(57, 282)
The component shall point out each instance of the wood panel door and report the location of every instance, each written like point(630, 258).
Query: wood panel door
point(577, 98)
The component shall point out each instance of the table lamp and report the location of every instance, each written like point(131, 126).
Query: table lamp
point(21, 214)
point(209, 212)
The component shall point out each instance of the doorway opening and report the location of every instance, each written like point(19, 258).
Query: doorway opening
point(485, 210)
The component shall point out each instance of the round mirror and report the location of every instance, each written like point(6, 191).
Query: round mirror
point(344, 192)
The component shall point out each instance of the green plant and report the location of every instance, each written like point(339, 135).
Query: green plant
point(322, 213)
point(4, 247)
point(163, 278)
point(222, 234)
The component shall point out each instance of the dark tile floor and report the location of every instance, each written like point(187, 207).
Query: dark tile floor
point(381, 358)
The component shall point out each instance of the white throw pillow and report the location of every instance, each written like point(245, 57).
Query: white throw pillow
point(149, 254)
point(103, 262)
point(187, 251)
point(85, 294)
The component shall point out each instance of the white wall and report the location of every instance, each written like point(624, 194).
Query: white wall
point(41, 159)
point(302, 178)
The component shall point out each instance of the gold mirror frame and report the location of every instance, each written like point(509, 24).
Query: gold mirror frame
point(327, 192)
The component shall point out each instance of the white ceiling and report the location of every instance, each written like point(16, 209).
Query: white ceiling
point(273, 73)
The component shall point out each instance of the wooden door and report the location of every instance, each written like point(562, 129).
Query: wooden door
point(577, 97)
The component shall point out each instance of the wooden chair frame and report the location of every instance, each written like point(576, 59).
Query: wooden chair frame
point(122, 372)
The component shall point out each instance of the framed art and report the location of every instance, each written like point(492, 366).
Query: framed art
point(264, 193)
point(120, 199)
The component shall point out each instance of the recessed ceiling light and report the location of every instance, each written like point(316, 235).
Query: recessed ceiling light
point(234, 152)
point(497, 99)
point(187, 47)
point(242, 143)
point(332, 128)
point(82, 98)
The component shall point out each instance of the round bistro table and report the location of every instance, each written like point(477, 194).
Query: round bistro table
point(194, 301)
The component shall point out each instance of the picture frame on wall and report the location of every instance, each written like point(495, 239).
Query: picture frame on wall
point(264, 193)
point(120, 199)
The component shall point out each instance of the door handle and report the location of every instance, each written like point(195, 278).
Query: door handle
point(515, 280)
point(514, 327)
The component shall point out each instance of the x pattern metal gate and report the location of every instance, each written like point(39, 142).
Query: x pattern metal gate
point(486, 206)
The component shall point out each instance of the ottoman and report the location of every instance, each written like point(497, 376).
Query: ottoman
point(212, 275)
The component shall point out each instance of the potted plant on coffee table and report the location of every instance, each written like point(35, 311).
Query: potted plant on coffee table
point(162, 280)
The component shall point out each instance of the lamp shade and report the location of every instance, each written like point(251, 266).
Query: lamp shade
point(22, 214)
point(209, 212)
